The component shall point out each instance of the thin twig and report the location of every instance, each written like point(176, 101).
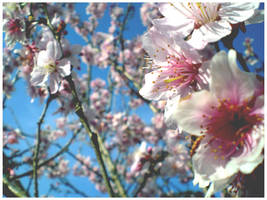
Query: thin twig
point(37, 147)
point(65, 148)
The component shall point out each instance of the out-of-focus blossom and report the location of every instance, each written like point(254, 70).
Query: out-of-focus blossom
point(50, 65)
point(88, 55)
point(250, 56)
point(134, 103)
point(106, 50)
point(148, 12)
point(13, 25)
point(98, 83)
point(140, 155)
point(71, 52)
point(59, 169)
point(229, 121)
point(178, 69)
point(96, 9)
point(203, 22)
point(115, 12)
point(61, 122)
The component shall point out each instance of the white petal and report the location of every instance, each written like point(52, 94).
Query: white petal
point(154, 88)
point(210, 32)
point(38, 78)
point(153, 41)
point(53, 83)
point(237, 12)
point(64, 67)
point(251, 157)
point(184, 25)
point(228, 81)
point(53, 50)
point(218, 185)
point(257, 17)
point(43, 58)
point(188, 113)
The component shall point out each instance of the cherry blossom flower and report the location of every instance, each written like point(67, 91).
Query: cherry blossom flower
point(50, 65)
point(96, 9)
point(229, 121)
point(148, 12)
point(71, 51)
point(140, 156)
point(88, 55)
point(13, 25)
point(204, 22)
point(178, 69)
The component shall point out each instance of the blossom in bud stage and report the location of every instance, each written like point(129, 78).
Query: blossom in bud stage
point(49, 65)
point(205, 22)
point(229, 122)
point(178, 69)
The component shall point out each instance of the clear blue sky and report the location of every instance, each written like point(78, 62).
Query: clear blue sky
point(28, 113)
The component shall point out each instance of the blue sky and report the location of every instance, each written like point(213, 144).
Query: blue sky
point(28, 113)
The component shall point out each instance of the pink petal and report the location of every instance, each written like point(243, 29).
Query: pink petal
point(188, 113)
point(228, 81)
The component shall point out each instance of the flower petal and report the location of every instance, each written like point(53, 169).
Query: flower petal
point(38, 77)
point(53, 50)
point(64, 67)
point(188, 113)
point(237, 12)
point(210, 32)
point(257, 17)
point(227, 80)
point(53, 83)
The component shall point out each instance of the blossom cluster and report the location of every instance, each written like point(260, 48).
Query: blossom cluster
point(165, 107)
point(208, 95)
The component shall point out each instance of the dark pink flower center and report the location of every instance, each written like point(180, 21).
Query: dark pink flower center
point(182, 73)
point(231, 123)
point(14, 26)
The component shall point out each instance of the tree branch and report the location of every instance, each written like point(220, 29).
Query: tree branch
point(37, 147)
point(93, 136)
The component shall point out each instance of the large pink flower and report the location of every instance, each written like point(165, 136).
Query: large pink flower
point(206, 22)
point(178, 68)
point(229, 119)
point(50, 65)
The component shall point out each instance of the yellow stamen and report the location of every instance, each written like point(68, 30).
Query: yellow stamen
point(173, 79)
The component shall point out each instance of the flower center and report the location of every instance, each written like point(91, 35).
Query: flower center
point(51, 67)
point(229, 122)
point(181, 73)
point(204, 13)
point(14, 26)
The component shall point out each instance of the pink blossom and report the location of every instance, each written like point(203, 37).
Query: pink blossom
point(96, 9)
point(88, 54)
point(50, 65)
point(13, 25)
point(98, 83)
point(148, 12)
point(178, 69)
point(203, 22)
point(229, 119)
point(71, 52)
point(61, 122)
